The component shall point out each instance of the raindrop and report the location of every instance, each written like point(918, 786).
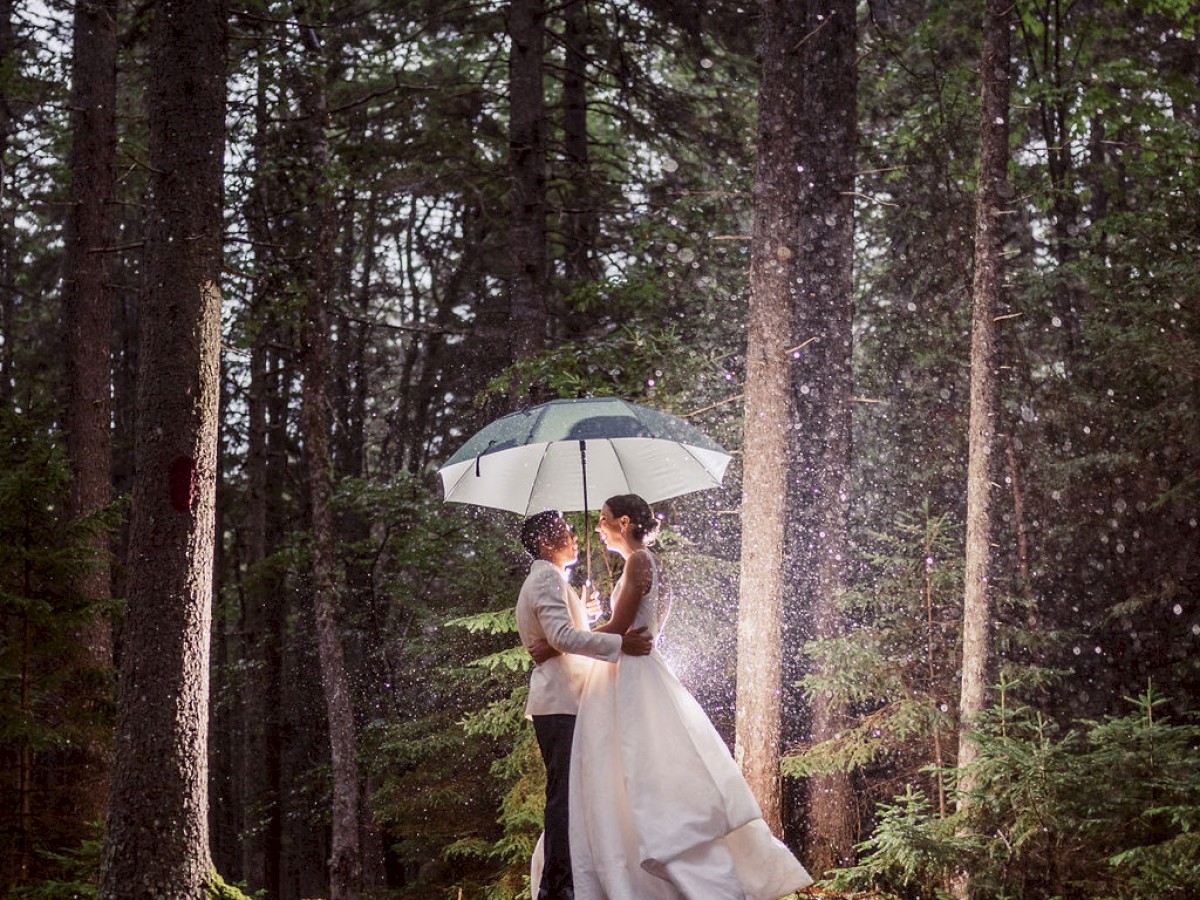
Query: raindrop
point(669, 165)
point(911, 307)
point(1196, 629)
point(999, 120)
point(1076, 650)
point(1087, 429)
point(686, 255)
point(1056, 322)
point(1177, 609)
point(1098, 650)
point(706, 63)
point(804, 389)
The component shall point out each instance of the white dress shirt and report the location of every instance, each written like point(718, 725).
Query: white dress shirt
point(549, 608)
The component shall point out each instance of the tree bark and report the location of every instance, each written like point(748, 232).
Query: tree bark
point(989, 231)
point(87, 315)
point(767, 414)
point(346, 858)
point(821, 380)
point(156, 841)
point(527, 163)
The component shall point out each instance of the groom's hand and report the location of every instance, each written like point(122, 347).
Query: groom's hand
point(636, 642)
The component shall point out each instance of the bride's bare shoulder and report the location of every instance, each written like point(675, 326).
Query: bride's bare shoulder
point(639, 570)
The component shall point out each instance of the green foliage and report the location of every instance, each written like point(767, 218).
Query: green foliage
point(1107, 809)
point(896, 669)
point(78, 872)
point(627, 361)
point(455, 769)
point(912, 852)
point(50, 700)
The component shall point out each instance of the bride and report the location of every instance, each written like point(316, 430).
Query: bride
point(658, 808)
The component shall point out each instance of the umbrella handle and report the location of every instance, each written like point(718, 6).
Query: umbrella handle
point(587, 534)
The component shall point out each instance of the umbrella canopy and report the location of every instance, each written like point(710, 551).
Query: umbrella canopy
point(557, 454)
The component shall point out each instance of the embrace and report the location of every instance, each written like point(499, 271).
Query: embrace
point(643, 800)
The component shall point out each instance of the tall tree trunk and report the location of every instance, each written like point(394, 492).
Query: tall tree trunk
point(7, 295)
point(346, 862)
point(989, 232)
point(821, 379)
point(767, 413)
point(527, 163)
point(262, 618)
point(156, 841)
point(579, 218)
point(87, 314)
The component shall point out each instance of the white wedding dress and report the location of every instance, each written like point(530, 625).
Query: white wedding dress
point(659, 809)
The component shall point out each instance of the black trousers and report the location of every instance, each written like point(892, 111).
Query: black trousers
point(554, 735)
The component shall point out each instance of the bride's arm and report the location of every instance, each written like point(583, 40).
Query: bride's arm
point(627, 599)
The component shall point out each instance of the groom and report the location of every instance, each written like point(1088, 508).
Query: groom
point(549, 609)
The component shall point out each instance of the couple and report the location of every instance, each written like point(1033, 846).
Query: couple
point(643, 800)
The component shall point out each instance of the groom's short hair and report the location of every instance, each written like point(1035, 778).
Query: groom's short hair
point(536, 529)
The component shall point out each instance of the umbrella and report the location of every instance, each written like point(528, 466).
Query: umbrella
point(556, 454)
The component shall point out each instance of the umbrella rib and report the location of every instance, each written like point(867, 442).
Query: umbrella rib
point(538, 474)
point(700, 462)
point(452, 488)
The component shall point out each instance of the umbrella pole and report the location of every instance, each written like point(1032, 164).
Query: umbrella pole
point(587, 533)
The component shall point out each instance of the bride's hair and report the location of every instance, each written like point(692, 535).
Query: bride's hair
point(645, 525)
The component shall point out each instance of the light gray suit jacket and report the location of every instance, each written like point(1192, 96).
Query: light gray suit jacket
point(549, 608)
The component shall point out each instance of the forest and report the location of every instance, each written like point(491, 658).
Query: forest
point(928, 269)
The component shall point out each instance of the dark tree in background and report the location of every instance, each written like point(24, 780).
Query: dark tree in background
point(527, 161)
point(821, 380)
point(87, 317)
point(156, 839)
point(345, 867)
point(8, 58)
point(262, 615)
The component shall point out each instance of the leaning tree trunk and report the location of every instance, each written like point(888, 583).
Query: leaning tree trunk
point(821, 381)
point(87, 315)
point(527, 165)
point(989, 230)
point(346, 859)
point(156, 839)
point(767, 414)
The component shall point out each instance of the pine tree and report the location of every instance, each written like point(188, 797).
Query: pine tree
point(87, 315)
point(767, 411)
point(156, 842)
